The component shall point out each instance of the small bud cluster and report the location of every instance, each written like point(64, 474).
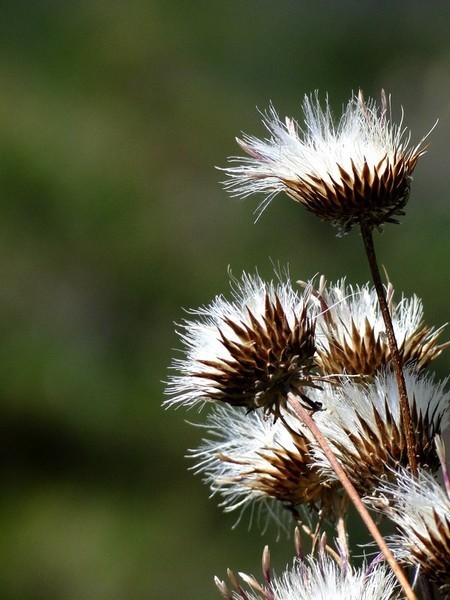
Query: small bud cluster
point(313, 578)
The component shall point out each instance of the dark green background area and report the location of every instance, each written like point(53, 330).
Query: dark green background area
point(113, 116)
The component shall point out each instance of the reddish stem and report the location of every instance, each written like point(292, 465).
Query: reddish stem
point(352, 494)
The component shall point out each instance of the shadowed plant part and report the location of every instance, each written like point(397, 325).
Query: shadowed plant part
point(363, 425)
point(350, 331)
point(420, 508)
point(356, 169)
point(249, 352)
point(251, 460)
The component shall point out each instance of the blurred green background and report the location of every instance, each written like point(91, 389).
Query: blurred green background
point(113, 116)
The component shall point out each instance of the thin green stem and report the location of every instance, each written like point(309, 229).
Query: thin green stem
point(366, 232)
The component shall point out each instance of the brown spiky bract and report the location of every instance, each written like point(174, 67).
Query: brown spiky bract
point(290, 477)
point(355, 170)
point(366, 353)
point(375, 195)
point(268, 358)
point(434, 556)
point(382, 448)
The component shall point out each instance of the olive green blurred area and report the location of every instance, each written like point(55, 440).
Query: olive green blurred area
point(113, 220)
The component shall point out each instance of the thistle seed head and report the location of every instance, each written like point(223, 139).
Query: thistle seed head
point(364, 427)
point(314, 578)
point(356, 169)
point(350, 331)
point(249, 460)
point(249, 352)
point(420, 508)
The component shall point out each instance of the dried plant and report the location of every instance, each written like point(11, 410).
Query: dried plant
point(320, 395)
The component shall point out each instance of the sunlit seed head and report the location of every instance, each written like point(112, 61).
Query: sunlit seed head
point(253, 462)
point(315, 578)
point(364, 426)
point(248, 352)
point(420, 508)
point(350, 331)
point(355, 169)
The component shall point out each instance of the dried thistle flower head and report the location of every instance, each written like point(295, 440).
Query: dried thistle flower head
point(314, 578)
point(420, 508)
point(247, 352)
point(256, 463)
point(364, 427)
point(358, 169)
point(351, 334)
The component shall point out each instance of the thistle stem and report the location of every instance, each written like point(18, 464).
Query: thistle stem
point(305, 417)
point(366, 232)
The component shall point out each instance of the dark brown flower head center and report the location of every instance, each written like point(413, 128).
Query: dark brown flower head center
point(264, 358)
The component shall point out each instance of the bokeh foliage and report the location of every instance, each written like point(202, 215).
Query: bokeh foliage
point(113, 115)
